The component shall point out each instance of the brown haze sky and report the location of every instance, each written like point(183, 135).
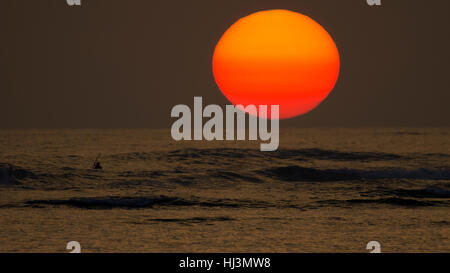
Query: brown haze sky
point(126, 63)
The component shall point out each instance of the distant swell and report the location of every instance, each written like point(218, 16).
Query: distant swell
point(394, 201)
point(293, 154)
point(190, 220)
point(396, 173)
point(296, 173)
point(423, 193)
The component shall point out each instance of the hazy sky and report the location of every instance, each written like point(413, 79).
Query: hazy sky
point(126, 63)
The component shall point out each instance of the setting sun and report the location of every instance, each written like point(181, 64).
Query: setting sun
point(276, 57)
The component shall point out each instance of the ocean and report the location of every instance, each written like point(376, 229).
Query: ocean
point(324, 190)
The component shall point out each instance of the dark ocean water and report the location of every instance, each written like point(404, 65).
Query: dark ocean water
point(324, 190)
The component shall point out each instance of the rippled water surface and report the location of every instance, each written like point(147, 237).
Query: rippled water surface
point(324, 190)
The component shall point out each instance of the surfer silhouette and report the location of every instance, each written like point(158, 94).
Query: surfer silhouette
point(97, 165)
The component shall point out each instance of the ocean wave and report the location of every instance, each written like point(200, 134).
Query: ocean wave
point(397, 173)
point(294, 154)
point(141, 174)
point(10, 174)
point(297, 173)
point(433, 155)
point(423, 193)
point(116, 202)
point(234, 176)
point(393, 201)
point(192, 220)
point(396, 201)
point(441, 223)
point(208, 154)
point(410, 133)
point(132, 156)
point(144, 202)
point(338, 155)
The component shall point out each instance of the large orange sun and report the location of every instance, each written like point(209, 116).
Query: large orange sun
point(276, 57)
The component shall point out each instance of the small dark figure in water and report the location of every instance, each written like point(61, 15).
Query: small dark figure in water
point(97, 165)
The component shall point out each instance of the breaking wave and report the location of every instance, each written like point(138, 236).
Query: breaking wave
point(10, 174)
